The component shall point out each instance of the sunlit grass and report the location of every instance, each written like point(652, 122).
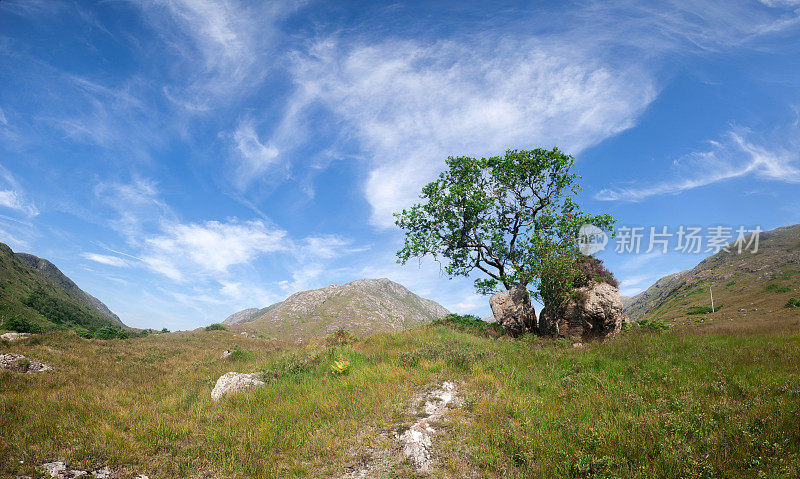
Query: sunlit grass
point(672, 404)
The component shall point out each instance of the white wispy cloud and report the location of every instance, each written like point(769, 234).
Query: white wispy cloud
point(731, 157)
point(212, 246)
point(12, 197)
point(107, 259)
point(232, 39)
point(411, 104)
point(136, 207)
point(252, 157)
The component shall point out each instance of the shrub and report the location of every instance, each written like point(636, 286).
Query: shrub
point(777, 288)
point(471, 324)
point(164, 330)
point(110, 332)
point(652, 324)
point(216, 327)
point(793, 303)
point(702, 310)
point(592, 269)
point(21, 325)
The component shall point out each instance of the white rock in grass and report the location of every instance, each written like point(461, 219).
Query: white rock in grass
point(21, 364)
point(234, 382)
point(14, 336)
point(54, 469)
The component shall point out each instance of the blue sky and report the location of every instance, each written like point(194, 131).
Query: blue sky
point(185, 159)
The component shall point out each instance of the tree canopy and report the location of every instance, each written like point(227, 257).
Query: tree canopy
point(513, 217)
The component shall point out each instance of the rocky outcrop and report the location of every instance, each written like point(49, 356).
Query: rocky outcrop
point(417, 440)
point(514, 311)
point(21, 364)
point(235, 382)
point(11, 337)
point(59, 470)
point(241, 316)
point(591, 312)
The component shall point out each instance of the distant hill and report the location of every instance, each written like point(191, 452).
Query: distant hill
point(34, 289)
point(745, 286)
point(364, 306)
point(241, 316)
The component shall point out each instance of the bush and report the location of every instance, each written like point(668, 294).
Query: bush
point(652, 324)
point(592, 269)
point(471, 324)
point(793, 303)
point(777, 288)
point(702, 310)
point(110, 332)
point(21, 325)
point(216, 327)
point(164, 330)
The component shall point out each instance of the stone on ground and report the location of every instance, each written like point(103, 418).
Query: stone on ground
point(21, 364)
point(417, 440)
point(591, 312)
point(10, 337)
point(233, 382)
point(514, 311)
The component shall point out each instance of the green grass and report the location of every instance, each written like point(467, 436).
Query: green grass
point(702, 310)
point(674, 404)
point(216, 327)
point(777, 288)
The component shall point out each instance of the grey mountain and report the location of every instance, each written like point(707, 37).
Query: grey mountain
point(241, 316)
point(364, 306)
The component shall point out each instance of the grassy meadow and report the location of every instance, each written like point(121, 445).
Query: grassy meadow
point(693, 402)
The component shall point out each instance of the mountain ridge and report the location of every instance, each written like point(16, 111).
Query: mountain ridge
point(35, 290)
point(362, 306)
point(750, 285)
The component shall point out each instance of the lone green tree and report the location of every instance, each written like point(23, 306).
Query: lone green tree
point(513, 217)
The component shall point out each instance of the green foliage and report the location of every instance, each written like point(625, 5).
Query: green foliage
point(470, 323)
point(777, 288)
point(513, 217)
point(21, 325)
point(164, 330)
point(340, 366)
point(793, 303)
point(62, 312)
point(340, 337)
point(652, 324)
point(702, 310)
point(110, 332)
point(216, 327)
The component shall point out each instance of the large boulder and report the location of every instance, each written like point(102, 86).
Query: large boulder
point(514, 311)
point(234, 382)
point(591, 312)
point(21, 364)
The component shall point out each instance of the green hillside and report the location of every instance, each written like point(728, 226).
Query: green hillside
point(746, 287)
point(41, 299)
point(641, 405)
